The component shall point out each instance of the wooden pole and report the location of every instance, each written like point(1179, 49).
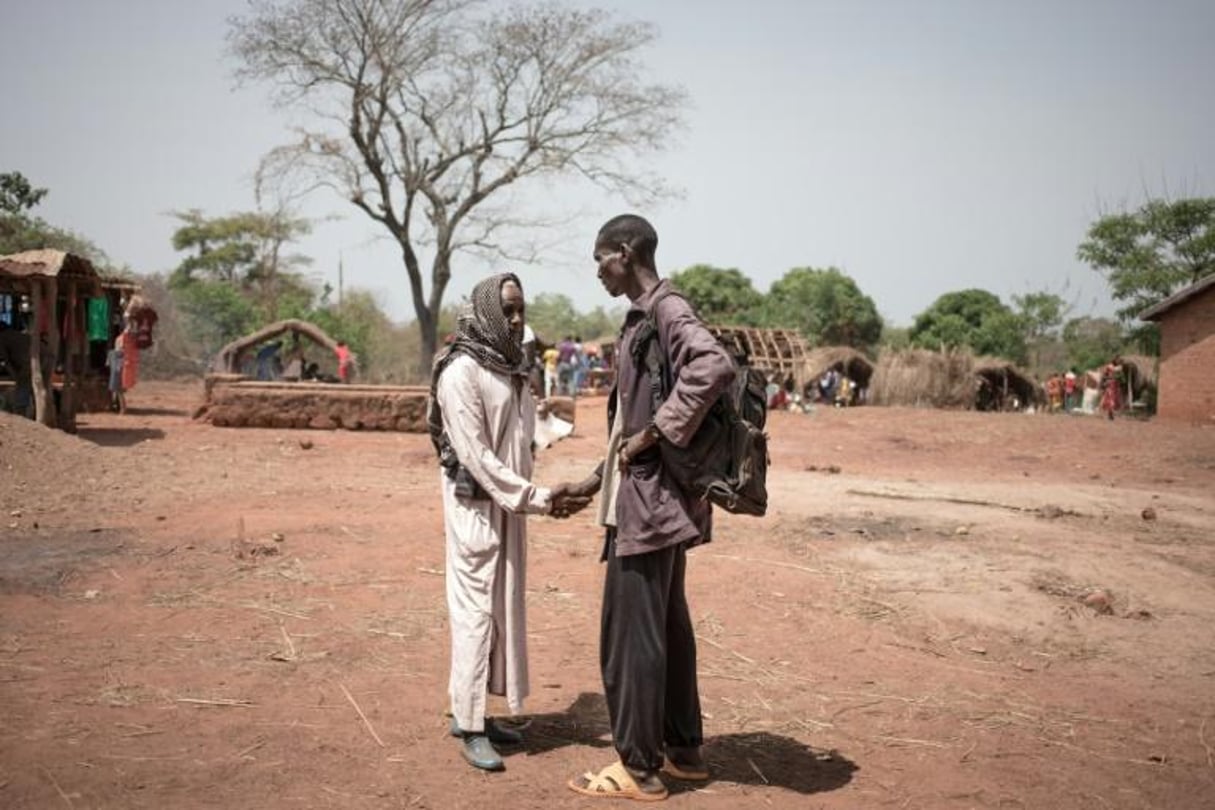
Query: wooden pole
point(53, 341)
point(67, 412)
point(44, 402)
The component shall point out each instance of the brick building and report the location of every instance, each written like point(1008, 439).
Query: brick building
point(1187, 352)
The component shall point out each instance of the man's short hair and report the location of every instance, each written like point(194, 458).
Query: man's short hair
point(630, 229)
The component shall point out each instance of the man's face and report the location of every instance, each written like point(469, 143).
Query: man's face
point(513, 308)
point(612, 268)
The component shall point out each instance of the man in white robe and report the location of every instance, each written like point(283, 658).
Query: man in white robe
point(482, 419)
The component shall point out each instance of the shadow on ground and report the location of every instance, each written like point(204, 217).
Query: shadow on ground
point(119, 437)
point(138, 411)
point(753, 758)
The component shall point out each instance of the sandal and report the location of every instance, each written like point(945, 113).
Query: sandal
point(615, 782)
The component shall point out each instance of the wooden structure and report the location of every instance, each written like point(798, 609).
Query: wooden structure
point(230, 359)
point(1187, 352)
point(53, 287)
point(778, 354)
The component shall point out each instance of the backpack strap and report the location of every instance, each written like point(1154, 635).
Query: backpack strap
point(648, 354)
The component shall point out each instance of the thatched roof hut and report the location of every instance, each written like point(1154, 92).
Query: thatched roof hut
point(923, 379)
point(1140, 370)
point(1004, 387)
point(844, 359)
point(955, 379)
point(230, 357)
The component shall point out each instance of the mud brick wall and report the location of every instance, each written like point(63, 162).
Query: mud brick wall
point(1187, 361)
point(318, 406)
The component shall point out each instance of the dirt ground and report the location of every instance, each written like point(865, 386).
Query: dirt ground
point(193, 616)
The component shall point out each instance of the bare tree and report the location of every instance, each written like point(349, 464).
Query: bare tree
point(428, 110)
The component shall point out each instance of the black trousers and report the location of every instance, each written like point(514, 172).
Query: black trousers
point(647, 653)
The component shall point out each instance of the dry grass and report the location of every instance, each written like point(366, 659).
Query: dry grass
point(925, 379)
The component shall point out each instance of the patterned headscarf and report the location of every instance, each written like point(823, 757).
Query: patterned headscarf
point(483, 333)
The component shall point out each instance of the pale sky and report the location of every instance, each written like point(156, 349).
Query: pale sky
point(922, 146)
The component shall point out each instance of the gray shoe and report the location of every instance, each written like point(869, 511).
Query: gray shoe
point(497, 734)
point(478, 752)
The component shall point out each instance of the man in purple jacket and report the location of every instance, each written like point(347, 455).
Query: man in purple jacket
point(647, 650)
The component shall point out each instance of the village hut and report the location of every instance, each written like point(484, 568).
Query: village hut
point(62, 315)
point(1001, 386)
point(845, 360)
point(1186, 388)
point(954, 379)
point(923, 379)
point(1140, 372)
point(231, 359)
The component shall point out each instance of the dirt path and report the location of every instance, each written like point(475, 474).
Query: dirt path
point(225, 618)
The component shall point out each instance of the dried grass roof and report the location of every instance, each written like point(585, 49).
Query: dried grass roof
point(923, 378)
point(47, 263)
point(850, 361)
point(229, 357)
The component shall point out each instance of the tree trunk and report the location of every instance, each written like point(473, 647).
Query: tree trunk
point(430, 345)
point(428, 315)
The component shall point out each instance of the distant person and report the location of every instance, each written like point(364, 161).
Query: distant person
point(565, 365)
point(580, 366)
point(1069, 391)
point(294, 370)
point(114, 360)
point(346, 362)
point(550, 370)
point(1054, 393)
point(269, 364)
point(1111, 387)
point(130, 360)
point(843, 392)
point(826, 385)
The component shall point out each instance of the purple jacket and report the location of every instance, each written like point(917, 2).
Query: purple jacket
point(651, 511)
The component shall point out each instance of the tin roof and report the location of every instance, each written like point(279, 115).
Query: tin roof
point(1154, 312)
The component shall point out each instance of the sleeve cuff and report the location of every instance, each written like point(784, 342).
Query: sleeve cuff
point(541, 501)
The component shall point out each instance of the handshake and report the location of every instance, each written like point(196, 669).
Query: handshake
point(569, 499)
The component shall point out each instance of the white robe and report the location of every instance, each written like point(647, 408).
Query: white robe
point(489, 422)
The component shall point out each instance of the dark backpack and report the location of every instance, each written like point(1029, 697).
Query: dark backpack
point(726, 462)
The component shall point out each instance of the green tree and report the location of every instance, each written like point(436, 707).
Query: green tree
point(1149, 254)
point(429, 111)
point(213, 313)
point(975, 319)
point(1091, 342)
point(599, 323)
point(17, 195)
point(238, 274)
point(825, 305)
point(20, 231)
point(719, 296)
point(552, 316)
point(1041, 315)
point(246, 249)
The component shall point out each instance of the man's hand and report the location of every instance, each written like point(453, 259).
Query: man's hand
point(564, 503)
point(636, 444)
